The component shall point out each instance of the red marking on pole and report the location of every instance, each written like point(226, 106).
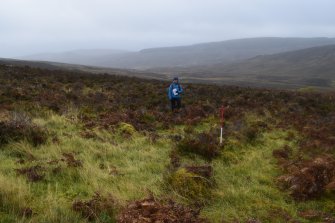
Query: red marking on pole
point(222, 110)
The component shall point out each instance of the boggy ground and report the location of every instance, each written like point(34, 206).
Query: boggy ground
point(77, 147)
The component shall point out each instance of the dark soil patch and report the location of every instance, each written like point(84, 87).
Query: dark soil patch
point(34, 173)
point(283, 153)
point(204, 170)
point(87, 134)
point(71, 161)
point(26, 212)
point(203, 144)
point(96, 208)
point(253, 220)
point(331, 185)
point(309, 179)
point(175, 161)
point(151, 210)
point(317, 216)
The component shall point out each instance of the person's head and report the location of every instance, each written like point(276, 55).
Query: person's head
point(175, 80)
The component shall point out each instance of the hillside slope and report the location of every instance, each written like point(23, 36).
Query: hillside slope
point(82, 57)
point(307, 67)
point(311, 61)
point(80, 68)
point(199, 54)
point(77, 147)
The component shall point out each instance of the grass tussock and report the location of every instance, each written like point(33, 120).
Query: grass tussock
point(191, 186)
point(15, 199)
point(73, 168)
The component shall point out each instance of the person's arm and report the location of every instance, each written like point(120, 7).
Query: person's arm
point(180, 90)
point(170, 92)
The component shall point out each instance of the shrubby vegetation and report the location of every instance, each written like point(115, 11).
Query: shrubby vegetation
point(80, 147)
point(19, 127)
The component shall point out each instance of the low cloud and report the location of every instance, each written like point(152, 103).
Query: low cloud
point(34, 26)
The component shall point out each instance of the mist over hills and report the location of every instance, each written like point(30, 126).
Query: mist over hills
point(311, 61)
point(225, 52)
point(257, 62)
point(83, 57)
point(313, 66)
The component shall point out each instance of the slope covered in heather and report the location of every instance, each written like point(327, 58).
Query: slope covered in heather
point(81, 147)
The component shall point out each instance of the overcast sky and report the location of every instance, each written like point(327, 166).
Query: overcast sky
point(34, 26)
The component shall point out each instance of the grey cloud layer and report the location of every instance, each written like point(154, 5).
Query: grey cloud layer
point(31, 26)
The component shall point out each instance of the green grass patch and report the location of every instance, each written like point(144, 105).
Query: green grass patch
point(127, 168)
point(128, 165)
point(246, 187)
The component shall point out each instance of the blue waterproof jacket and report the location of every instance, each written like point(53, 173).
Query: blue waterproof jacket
point(175, 90)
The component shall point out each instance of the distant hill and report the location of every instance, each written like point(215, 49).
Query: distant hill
point(225, 52)
point(311, 61)
point(89, 57)
point(39, 64)
point(307, 67)
point(313, 66)
point(83, 68)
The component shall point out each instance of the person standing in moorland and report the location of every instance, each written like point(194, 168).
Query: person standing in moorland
point(174, 93)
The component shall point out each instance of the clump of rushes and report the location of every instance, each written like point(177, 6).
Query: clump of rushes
point(20, 126)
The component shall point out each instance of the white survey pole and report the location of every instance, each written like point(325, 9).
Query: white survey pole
point(221, 135)
point(222, 122)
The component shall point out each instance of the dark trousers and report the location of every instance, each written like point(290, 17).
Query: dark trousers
point(175, 103)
